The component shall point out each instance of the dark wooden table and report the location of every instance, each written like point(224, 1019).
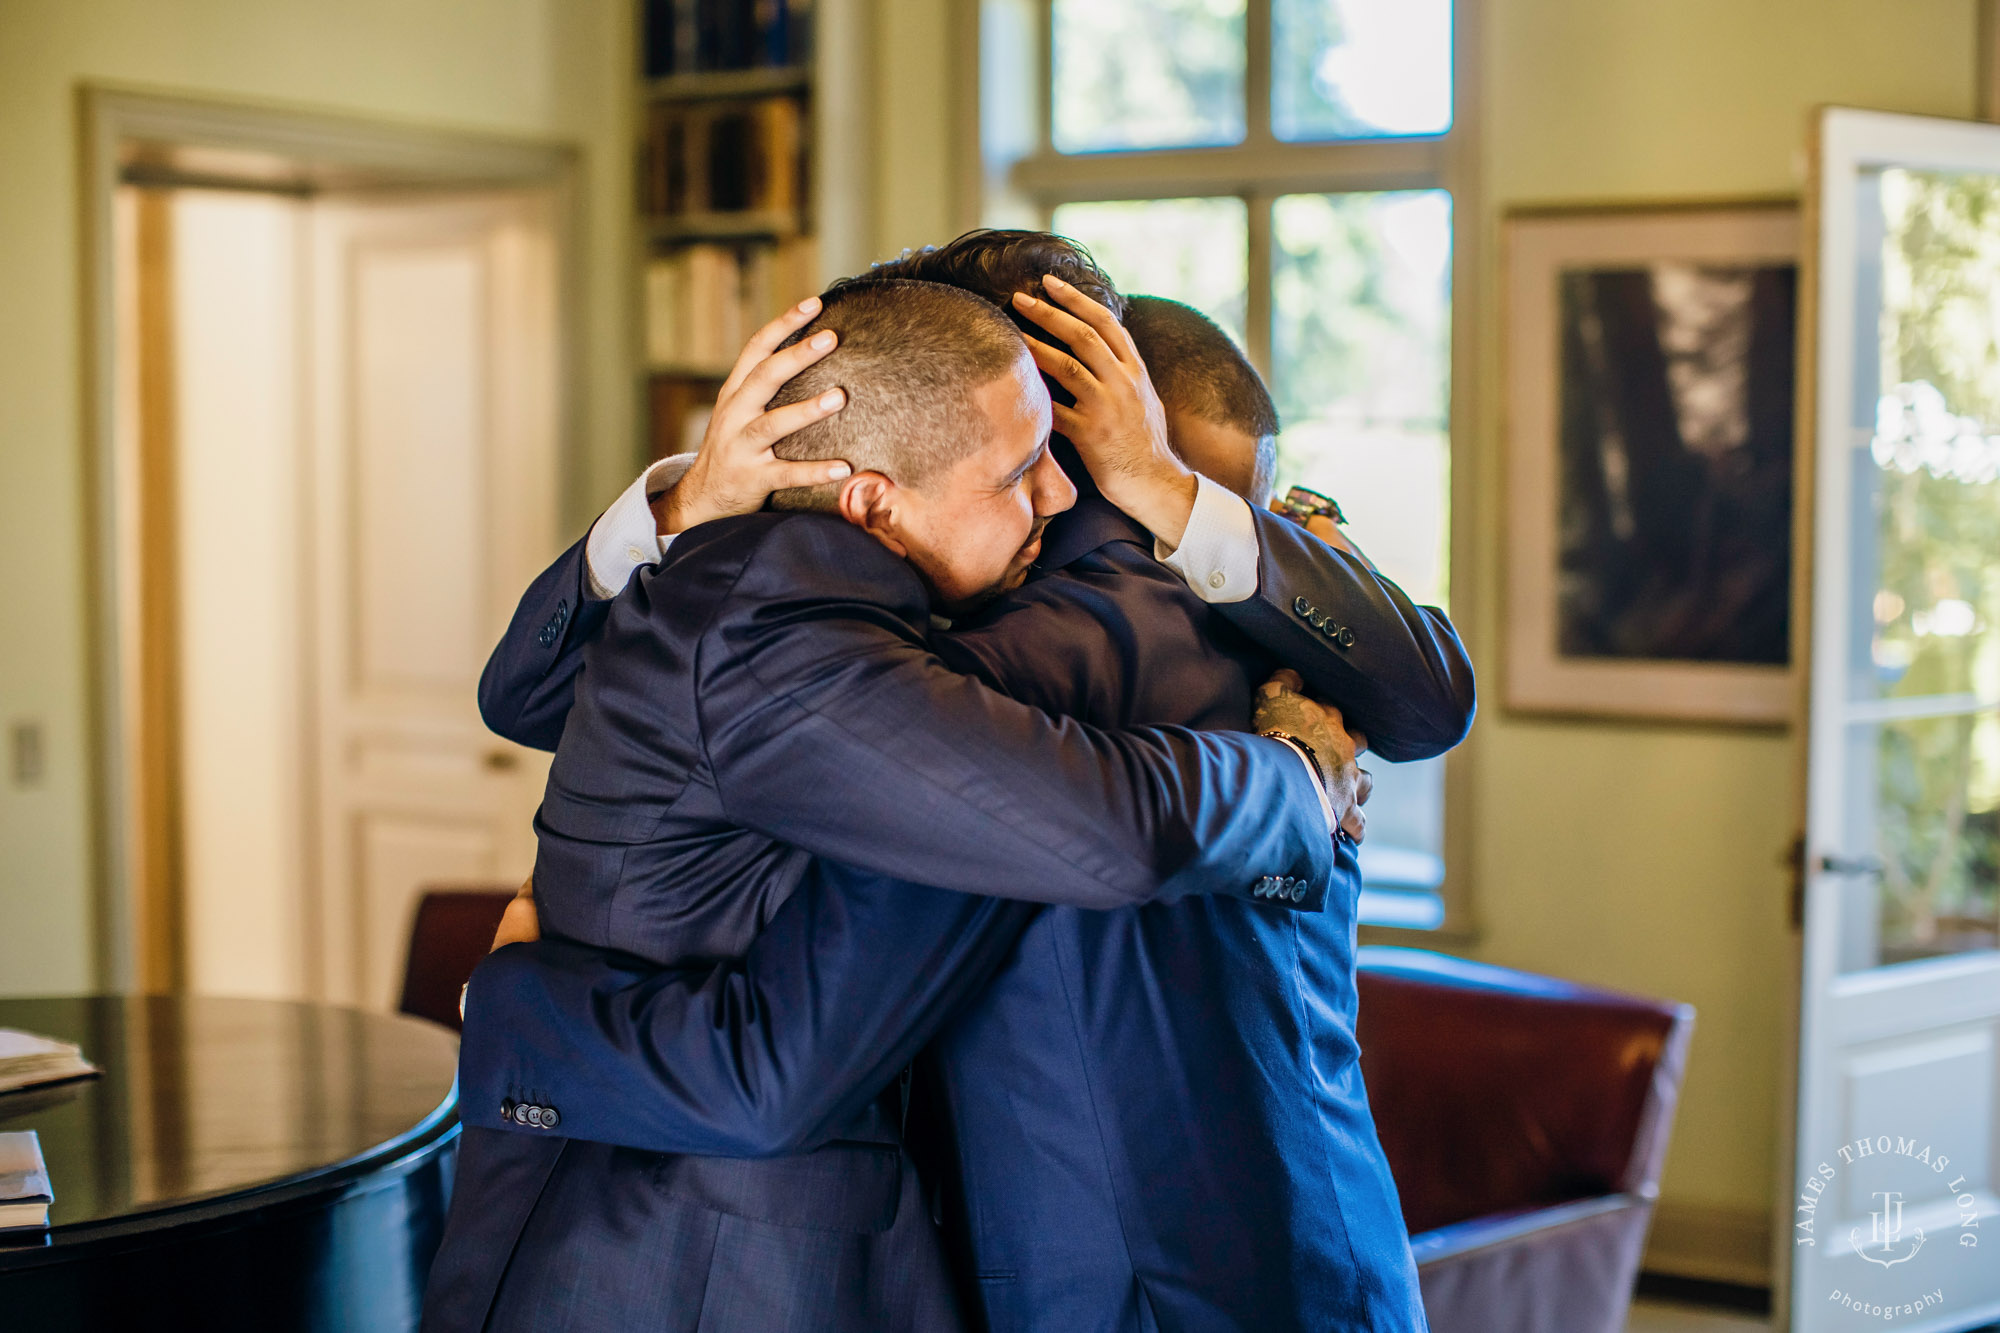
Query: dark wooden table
point(242, 1164)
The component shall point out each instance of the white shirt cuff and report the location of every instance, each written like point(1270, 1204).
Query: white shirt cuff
point(1319, 787)
point(625, 536)
point(1218, 552)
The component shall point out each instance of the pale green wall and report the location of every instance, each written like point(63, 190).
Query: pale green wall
point(1647, 857)
point(915, 131)
point(546, 69)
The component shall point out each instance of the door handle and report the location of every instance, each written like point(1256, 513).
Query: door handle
point(501, 761)
point(1852, 865)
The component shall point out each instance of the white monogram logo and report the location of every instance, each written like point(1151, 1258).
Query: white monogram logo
point(1885, 1228)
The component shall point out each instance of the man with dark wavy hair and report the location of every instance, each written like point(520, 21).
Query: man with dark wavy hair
point(1147, 1118)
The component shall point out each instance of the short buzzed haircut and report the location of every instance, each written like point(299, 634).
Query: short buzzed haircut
point(1199, 370)
point(910, 358)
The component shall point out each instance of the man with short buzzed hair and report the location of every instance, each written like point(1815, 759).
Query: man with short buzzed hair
point(767, 698)
point(1219, 414)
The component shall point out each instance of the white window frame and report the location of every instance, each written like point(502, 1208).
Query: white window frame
point(1008, 173)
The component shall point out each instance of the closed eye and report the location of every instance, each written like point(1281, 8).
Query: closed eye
point(1014, 477)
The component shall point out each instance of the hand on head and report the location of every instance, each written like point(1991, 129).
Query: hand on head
point(736, 469)
point(1282, 706)
point(1117, 424)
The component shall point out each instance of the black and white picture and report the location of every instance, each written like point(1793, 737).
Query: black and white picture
point(1675, 509)
point(1650, 423)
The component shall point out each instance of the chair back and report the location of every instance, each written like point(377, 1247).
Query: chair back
point(1495, 1090)
point(452, 932)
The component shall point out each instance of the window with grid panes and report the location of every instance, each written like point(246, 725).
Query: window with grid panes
point(1285, 166)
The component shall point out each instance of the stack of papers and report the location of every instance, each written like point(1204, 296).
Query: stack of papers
point(25, 1195)
point(28, 1060)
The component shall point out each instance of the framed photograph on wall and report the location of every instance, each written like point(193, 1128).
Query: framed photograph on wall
point(1649, 375)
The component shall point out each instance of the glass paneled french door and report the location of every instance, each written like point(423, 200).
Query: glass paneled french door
point(1894, 1218)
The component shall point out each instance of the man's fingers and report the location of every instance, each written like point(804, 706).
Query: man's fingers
point(519, 924)
point(1099, 317)
point(784, 476)
point(1069, 372)
point(1066, 421)
point(765, 341)
point(1364, 786)
point(1354, 823)
point(1287, 679)
point(771, 374)
point(1083, 340)
point(1360, 741)
point(779, 422)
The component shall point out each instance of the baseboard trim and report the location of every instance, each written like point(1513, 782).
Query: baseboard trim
point(1700, 1291)
point(1704, 1243)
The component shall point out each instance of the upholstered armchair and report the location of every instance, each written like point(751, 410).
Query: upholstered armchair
point(1526, 1122)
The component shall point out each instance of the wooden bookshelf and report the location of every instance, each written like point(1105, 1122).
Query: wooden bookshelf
point(710, 225)
point(721, 84)
point(727, 189)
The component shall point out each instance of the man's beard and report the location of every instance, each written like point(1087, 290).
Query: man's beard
point(1005, 584)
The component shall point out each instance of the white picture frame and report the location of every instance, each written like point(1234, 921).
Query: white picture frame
point(1541, 673)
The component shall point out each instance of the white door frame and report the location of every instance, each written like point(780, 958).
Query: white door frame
point(149, 138)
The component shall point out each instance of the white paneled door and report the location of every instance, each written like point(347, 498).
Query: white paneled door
point(434, 425)
point(1894, 1219)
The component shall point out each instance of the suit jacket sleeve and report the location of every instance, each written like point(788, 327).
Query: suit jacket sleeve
point(529, 683)
point(773, 1054)
point(1396, 670)
point(830, 725)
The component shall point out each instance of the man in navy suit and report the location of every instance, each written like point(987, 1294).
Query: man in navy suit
point(1155, 1115)
point(780, 703)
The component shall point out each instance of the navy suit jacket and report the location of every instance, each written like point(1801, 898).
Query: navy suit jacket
point(779, 701)
point(1399, 674)
point(1156, 1114)
point(768, 694)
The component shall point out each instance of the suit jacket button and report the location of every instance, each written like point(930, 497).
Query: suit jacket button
point(1302, 606)
point(549, 1117)
point(1345, 638)
point(562, 613)
point(520, 1113)
point(1299, 891)
point(535, 1116)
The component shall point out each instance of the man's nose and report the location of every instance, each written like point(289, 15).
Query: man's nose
point(1054, 491)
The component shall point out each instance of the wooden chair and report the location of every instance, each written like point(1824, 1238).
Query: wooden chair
point(452, 932)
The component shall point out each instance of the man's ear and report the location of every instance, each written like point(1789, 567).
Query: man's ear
point(868, 501)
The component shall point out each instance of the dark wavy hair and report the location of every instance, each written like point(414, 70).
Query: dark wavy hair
point(996, 264)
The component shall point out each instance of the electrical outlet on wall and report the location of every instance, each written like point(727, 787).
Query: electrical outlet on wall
point(25, 758)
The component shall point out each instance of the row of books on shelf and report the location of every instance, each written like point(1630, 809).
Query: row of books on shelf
point(704, 301)
point(711, 160)
point(690, 36)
